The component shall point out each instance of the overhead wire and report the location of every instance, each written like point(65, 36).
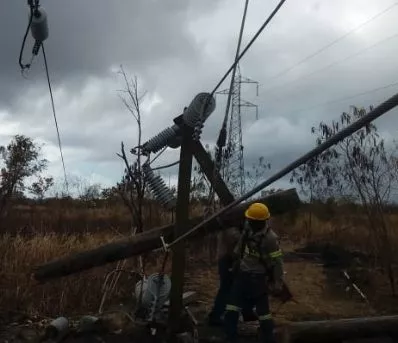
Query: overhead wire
point(254, 38)
point(347, 97)
point(350, 129)
point(335, 101)
point(34, 10)
point(305, 76)
point(239, 57)
point(24, 66)
point(158, 155)
point(222, 136)
point(55, 116)
point(263, 26)
point(327, 46)
point(166, 165)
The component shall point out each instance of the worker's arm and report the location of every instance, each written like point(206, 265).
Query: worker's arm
point(230, 239)
point(275, 258)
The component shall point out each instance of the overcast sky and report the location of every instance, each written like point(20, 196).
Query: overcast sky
point(178, 48)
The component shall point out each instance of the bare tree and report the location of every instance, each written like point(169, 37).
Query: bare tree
point(132, 187)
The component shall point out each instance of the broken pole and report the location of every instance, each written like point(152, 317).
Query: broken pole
point(340, 329)
point(214, 177)
point(182, 222)
point(278, 203)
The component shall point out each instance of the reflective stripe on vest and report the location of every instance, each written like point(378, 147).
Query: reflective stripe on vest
point(265, 317)
point(276, 254)
point(232, 308)
point(273, 255)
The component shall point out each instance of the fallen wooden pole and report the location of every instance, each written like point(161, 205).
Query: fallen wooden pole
point(279, 203)
point(340, 329)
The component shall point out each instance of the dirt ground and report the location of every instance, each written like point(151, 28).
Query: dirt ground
point(317, 296)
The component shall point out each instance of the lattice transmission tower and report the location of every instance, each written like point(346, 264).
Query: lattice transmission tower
point(233, 161)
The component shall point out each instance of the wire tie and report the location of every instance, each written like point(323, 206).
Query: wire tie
point(164, 244)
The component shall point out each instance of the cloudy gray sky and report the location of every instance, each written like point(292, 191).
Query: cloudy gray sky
point(178, 48)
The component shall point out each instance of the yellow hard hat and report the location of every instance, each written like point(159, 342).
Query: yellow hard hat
point(257, 211)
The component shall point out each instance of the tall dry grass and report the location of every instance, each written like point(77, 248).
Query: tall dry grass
point(38, 234)
point(81, 293)
point(19, 254)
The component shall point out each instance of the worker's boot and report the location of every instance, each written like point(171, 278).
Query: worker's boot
point(213, 320)
point(267, 331)
point(249, 316)
point(231, 326)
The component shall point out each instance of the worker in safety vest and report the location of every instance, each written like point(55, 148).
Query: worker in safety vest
point(226, 269)
point(260, 269)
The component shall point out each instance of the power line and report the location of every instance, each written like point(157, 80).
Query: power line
point(333, 63)
point(222, 136)
point(351, 96)
point(267, 21)
point(238, 57)
point(24, 66)
point(166, 165)
point(158, 155)
point(224, 125)
point(350, 129)
point(334, 101)
point(370, 91)
point(55, 116)
point(327, 46)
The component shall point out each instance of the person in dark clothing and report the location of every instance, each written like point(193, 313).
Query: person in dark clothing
point(226, 263)
point(260, 268)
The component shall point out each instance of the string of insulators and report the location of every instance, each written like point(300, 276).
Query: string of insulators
point(158, 187)
point(194, 117)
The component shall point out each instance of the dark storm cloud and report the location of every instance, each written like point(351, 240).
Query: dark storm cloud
point(179, 48)
point(87, 37)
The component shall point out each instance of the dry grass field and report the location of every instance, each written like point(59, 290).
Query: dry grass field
point(319, 294)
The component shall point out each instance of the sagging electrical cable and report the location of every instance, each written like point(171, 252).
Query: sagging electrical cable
point(55, 117)
point(27, 65)
point(39, 29)
point(347, 131)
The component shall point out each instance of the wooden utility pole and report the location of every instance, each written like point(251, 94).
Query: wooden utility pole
point(182, 222)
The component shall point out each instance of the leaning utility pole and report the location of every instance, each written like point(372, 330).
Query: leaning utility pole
point(234, 167)
point(182, 221)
